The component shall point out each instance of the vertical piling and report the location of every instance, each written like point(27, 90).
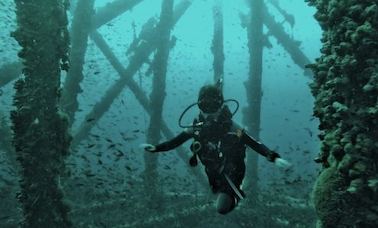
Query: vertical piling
point(345, 88)
point(81, 27)
point(217, 43)
point(158, 93)
point(251, 113)
point(40, 129)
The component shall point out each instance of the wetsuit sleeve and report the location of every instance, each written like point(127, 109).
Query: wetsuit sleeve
point(258, 147)
point(175, 142)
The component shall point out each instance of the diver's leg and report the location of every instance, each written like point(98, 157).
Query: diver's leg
point(212, 177)
point(225, 203)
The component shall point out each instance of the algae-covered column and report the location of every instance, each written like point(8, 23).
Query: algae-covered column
point(158, 93)
point(345, 88)
point(251, 113)
point(81, 27)
point(40, 129)
point(217, 44)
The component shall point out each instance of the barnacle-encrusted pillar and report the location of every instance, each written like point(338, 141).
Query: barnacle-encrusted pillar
point(217, 44)
point(251, 113)
point(81, 27)
point(158, 94)
point(345, 90)
point(40, 129)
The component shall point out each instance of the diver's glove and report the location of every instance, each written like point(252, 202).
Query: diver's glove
point(148, 147)
point(282, 163)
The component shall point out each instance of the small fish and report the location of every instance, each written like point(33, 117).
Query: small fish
point(90, 119)
point(91, 145)
point(89, 174)
point(84, 157)
point(119, 153)
point(129, 138)
point(309, 131)
point(94, 135)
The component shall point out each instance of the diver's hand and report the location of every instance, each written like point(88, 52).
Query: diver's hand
point(148, 147)
point(282, 163)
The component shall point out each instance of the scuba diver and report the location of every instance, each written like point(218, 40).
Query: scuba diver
point(220, 145)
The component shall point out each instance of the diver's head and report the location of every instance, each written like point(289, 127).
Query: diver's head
point(210, 99)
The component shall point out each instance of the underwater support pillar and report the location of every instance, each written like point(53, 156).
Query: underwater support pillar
point(40, 129)
point(81, 27)
point(140, 56)
point(141, 53)
point(345, 88)
point(251, 113)
point(84, 22)
point(157, 97)
point(217, 44)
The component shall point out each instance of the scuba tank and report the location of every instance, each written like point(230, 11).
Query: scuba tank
point(213, 120)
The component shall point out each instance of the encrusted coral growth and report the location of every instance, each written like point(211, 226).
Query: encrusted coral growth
point(326, 189)
point(40, 130)
point(346, 88)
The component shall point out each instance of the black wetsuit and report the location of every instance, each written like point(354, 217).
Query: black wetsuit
point(222, 150)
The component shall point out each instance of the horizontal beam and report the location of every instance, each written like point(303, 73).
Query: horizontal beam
point(290, 45)
point(112, 10)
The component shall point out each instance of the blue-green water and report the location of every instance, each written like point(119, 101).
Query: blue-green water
point(106, 174)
